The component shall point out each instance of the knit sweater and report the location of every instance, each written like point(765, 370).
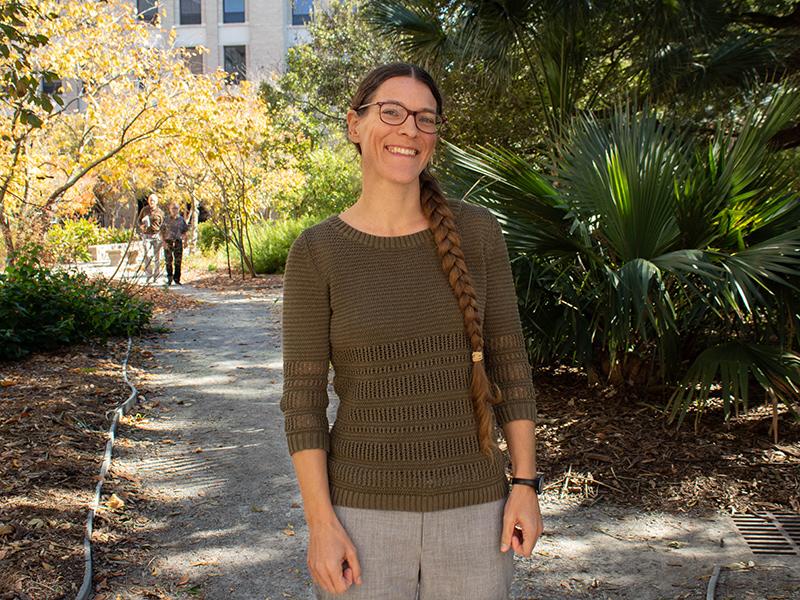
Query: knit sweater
point(381, 311)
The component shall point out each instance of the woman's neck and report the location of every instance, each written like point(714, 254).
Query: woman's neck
point(387, 208)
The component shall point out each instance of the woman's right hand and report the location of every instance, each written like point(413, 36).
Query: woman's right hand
point(329, 547)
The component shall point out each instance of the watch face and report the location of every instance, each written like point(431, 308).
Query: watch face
point(539, 484)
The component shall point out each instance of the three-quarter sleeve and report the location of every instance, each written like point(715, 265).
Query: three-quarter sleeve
point(306, 350)
point(505, 353)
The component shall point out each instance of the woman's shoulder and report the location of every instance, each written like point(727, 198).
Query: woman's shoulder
point(471, 217)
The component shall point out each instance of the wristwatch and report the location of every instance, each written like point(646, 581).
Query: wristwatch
point(537, 483)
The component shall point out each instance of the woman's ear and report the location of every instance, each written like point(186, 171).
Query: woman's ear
point(352, 126)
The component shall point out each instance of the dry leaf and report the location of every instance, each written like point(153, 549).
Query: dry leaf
point(115, 502)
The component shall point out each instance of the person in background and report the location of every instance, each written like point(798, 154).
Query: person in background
point(173, 234)
point(148, 223)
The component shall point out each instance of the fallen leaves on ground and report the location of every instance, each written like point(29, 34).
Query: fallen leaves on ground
point(599, 442)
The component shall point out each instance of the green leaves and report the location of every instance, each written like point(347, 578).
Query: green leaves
point(730, 367)
point(42, 309)
point(649, 246)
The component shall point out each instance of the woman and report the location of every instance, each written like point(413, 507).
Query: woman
point(410, 296)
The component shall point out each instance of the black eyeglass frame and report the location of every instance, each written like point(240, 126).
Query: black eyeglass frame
point(441, 120)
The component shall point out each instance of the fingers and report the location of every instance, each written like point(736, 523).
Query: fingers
point(526, 536)
point(332, 579)
point(352, 560)
point(508, 530)
point(336, 576)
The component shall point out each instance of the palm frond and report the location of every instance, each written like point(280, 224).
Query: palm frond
point(734, 366)
point(415, 27)
point(622, 173)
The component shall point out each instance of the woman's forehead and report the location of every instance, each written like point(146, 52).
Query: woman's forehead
point(410, 92)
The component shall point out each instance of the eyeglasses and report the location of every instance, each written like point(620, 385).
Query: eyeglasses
point(393, 113)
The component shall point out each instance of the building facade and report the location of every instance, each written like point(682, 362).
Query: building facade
point(246, 38)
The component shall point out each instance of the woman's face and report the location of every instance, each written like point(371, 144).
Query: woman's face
point(396, 153)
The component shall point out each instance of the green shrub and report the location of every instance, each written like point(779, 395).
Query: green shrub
point(271, 241)
point(114, 235)
point(70, 241)
point(210, 238)
point(42, 309)
point(655, 257)
point(332, 183)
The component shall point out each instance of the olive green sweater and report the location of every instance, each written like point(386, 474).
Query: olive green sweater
point(381, 310)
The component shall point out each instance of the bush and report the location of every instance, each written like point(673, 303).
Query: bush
point(70, 241)
point(42, 309)
point(332, 183)
point(655, 257)
point(271, 241)
point(210, 238)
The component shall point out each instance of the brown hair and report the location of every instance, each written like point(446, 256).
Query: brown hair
point(448, 246)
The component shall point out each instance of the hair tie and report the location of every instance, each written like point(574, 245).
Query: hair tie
point(477, 355)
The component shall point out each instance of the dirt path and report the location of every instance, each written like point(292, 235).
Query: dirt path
point(229, 522)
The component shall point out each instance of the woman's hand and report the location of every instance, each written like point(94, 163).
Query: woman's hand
point(328, 548)
point(522, 509)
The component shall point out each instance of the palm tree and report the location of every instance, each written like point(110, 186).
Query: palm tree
point(652, 257)
point(576, 56)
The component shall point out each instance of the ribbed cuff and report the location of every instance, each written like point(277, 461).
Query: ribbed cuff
point(506, 412)
point(303, 440)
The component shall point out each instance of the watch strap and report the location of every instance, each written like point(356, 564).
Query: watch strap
point(536, 483)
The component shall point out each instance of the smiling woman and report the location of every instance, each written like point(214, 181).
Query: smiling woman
point(428, 354)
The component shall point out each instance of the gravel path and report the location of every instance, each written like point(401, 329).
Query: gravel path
point(229, 524)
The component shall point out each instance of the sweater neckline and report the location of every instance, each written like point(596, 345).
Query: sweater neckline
point(409, 240)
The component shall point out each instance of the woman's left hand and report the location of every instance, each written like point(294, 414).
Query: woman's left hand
point(522, 521)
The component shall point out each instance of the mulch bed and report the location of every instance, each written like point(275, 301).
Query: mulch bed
point(219, 281)
point(162, 298)
point(599, 443)
point(54, 416)
point(55, 411)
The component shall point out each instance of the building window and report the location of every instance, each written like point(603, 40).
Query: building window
point(233, 11)
point(190, 12)
point(301, 11)
point(236, 62)
point(194, 60)
point(148, 10)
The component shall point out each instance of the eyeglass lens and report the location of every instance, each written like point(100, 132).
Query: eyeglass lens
point(395, 114)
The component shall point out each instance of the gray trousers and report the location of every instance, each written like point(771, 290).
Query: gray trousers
point(152, 255)
point(451, 554)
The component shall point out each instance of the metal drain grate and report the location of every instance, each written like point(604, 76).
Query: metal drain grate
point(770, 532)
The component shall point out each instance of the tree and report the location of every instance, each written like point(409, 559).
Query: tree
point(249, 162)
point(123, 89)
point(22, 96)
point(575, 57)
point(655, 257)
point(322, 75)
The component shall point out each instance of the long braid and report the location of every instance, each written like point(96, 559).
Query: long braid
point(448, 246)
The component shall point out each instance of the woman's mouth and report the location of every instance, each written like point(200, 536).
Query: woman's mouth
point(402, 150)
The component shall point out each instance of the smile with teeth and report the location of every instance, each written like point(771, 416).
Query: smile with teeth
point(403, 151)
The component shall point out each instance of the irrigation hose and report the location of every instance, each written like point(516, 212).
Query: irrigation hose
point(86, 588)
point(712, 583)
